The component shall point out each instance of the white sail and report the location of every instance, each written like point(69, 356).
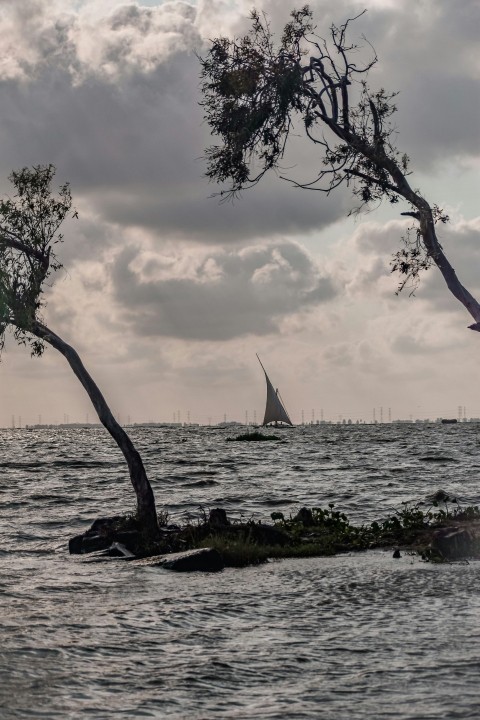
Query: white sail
point(274, 409)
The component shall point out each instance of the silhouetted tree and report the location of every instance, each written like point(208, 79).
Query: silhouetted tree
point(29, 229)
point(253, 90)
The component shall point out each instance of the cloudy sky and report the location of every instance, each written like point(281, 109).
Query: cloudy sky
point(168, 295)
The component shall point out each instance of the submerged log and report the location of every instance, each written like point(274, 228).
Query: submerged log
point(201, 560)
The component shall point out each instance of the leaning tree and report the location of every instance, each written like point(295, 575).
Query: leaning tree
point(254, 91)
point(30, 222)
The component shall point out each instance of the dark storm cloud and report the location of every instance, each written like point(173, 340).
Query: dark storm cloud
point(134, 150)
point(223, 295)
point(115, 107)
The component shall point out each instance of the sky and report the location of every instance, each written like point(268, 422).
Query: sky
point(167, 295)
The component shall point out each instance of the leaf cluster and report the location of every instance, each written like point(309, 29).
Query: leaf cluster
point(413, 257)
point(251, 91)
point(29, 229)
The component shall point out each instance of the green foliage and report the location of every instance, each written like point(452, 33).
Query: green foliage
point(251, 91)
point(29, 228)
point(319, 531)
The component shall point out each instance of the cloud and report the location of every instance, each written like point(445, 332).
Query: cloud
point(109, 93)
point(367, 255)
point(219, 295)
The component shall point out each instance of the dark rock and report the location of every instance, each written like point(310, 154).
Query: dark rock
point(203, 560)
point(75, 545)
point(453, 543)
point(104, 523)
point(218, 517)
point(439, 496)
point(106, 530)
point(92, 543)
point(396, 553)
point(268, 535)
point(130, 538)
point(304, 516)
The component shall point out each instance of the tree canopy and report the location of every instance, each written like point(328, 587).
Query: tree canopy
point(255, 90)
point(30, 222)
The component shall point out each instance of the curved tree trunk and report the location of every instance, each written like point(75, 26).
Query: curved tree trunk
point(145, 499)
point(427, 230)
point(434, 248)
point(435, 251)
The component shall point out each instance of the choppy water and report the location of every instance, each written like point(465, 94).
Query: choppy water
point(355, 636)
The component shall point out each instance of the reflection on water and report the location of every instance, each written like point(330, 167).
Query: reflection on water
point(356, 636)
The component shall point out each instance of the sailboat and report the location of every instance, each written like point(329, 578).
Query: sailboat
point(274, 410)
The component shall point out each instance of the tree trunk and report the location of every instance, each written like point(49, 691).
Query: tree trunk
point(427, 231)
point(147, 513)
point(430, 240)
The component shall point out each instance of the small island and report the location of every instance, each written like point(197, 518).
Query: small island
point(441, 532)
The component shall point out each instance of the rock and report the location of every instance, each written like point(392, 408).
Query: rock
point(396, 554)
point(453, 543)
point(438, 496)
point(218, 518)
point(268, 535)
point(130, 538)
point(203, 560)
point(304, 516)
point(105, 531)
point(75, 545)
point(105, 523)
point(92, 543)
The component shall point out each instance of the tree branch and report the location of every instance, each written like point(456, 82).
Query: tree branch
point(10, 241)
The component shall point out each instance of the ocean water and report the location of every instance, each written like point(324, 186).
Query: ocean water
point(355, 636)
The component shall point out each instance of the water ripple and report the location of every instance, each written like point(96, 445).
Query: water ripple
point(357, 636)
